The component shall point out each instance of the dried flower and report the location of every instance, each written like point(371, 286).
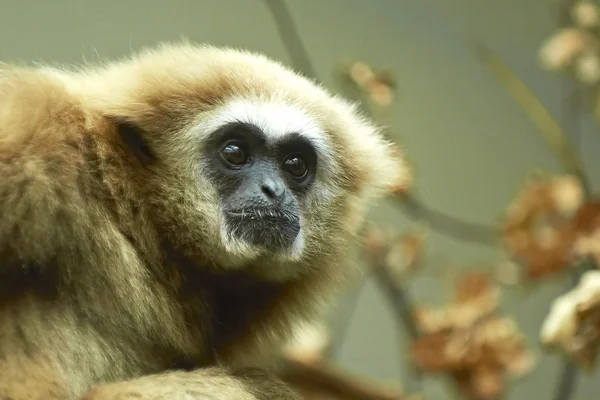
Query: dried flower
point(585, 14)
point(542, 260)
point(473, 287)
point(381, 93)
point(587, 68)
point(539, 229)
point(405, 254)
point(562, 48)
point(487, 381)
point(475, 298)
point(588, 245)
point(573, 324)
point(469, 342)
point(566, 193)
point(587, 218)
point(508, 273)
point(361, 74)
point(587, 224)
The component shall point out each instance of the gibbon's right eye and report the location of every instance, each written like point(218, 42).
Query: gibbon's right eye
point(234, 155)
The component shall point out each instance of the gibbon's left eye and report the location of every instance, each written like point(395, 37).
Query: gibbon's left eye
point(234, 155)
point(295, 166)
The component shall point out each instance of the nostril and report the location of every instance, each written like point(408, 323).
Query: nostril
point(272, 189)
point(268, 190)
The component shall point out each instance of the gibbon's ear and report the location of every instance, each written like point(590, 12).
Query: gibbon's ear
point(134, 138)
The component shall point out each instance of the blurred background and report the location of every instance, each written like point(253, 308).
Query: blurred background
point(472, 144)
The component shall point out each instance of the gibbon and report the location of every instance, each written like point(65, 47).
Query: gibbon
point(166, 218)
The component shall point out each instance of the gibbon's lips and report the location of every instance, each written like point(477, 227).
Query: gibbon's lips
point(272, 229)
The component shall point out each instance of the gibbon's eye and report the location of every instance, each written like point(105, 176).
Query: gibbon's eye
point(234, 155)
point(295, 166)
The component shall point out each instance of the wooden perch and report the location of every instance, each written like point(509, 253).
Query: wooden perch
point(326, 378)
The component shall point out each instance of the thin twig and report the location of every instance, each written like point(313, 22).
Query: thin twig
point(536, 111)
point(288, 32)
point(327, 378)
point(343, 319)
point(400, 302)
point(449, 225)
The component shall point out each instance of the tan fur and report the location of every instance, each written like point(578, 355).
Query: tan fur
point(111, 270)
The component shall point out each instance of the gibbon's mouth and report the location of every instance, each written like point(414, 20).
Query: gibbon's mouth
point(271, 229)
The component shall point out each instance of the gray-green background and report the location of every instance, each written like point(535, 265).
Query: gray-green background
point(472, 145)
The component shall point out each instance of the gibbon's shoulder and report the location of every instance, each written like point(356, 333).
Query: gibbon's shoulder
point(35, 107)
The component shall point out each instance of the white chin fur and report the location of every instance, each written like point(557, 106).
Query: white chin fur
point(295, 252)
point(240, 252)
point(237, 251)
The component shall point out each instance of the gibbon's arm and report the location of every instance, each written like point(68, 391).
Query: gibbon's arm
point(204, 384)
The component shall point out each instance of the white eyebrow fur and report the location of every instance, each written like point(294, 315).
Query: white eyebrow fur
point(275, 119)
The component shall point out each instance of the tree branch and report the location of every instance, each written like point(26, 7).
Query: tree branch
point(326, 378)
point(399, 300)
point(556, 137)
point(288, 32)
point(451, 226)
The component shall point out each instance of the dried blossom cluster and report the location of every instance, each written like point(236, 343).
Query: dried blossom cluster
point(469, 340)
point(548, 227)
point(400, 254)
point(576, 48)
point(379, 85)
point(573, 325)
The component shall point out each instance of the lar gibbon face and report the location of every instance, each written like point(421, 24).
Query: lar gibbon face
point(261, 180)
point(278, 177)
point(247, 162)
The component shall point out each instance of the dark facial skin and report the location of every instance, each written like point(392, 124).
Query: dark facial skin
point(261, 182)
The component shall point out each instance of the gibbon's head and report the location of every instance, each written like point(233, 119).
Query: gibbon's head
point(242, 160)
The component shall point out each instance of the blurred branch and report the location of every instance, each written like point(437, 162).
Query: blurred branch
point(329, 379)
point(343, 320)
point(377, 251)
point(567, 382)
point(400, 302)
point(288, 32)
point(448, 225)
point(403, 308)
point(536, 111)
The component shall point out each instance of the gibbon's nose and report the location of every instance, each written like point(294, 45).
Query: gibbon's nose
point(273, 189)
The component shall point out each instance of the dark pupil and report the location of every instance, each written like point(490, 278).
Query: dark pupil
point(234, 155)
point(296, 166)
